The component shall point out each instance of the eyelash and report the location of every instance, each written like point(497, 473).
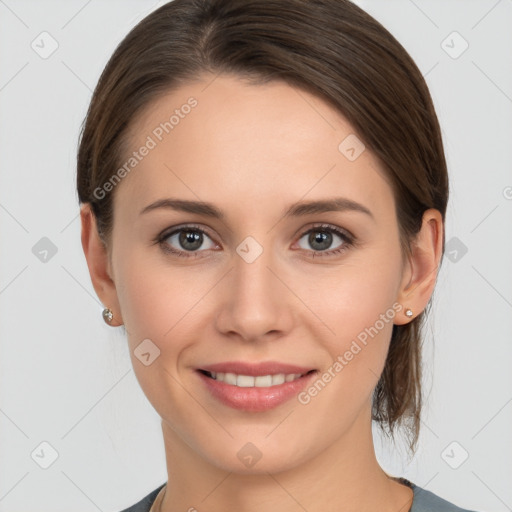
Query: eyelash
point(349, 240)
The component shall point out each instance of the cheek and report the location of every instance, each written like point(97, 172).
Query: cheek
point(163, 302)
point(360, 311)
point(359, 307)
point(356, 298)
point(158, 305)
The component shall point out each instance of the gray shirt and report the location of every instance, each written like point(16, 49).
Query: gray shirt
point(423, 501)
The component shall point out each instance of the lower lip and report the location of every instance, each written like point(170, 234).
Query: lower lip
point(255, 399)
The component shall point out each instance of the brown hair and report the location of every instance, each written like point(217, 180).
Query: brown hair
point(330, 48)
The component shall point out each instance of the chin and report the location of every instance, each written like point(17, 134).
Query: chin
point(259, 456)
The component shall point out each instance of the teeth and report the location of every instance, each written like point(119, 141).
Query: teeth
point(278, 379)
point(230, 378)
point(248, 381)
point(243, 381)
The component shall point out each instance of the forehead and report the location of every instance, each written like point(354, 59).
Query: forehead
point(222, 140)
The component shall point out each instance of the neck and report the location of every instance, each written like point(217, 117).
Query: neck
point(344, 476)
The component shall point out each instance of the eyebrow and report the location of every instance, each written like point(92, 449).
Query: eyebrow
point(302, 208)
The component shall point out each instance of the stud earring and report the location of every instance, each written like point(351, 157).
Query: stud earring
point(107, 316)
point(408, 312)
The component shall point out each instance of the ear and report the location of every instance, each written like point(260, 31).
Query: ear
point(420, 270)
point(99, 264)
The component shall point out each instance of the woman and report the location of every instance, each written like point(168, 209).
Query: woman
point(263, 192)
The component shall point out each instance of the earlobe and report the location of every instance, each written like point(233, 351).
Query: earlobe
point(422, 266)
point(98, 263)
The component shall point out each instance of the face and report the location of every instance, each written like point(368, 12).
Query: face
point(311, 291)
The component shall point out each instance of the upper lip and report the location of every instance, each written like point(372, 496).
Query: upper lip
point(255, 369)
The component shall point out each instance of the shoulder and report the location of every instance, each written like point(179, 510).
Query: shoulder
point(427, 501)
point(145, 503)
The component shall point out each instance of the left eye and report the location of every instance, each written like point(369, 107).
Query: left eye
point(321, 239)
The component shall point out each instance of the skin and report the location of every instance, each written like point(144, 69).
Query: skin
point(253, 150)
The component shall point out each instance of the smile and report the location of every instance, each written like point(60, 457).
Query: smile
point(254, 387)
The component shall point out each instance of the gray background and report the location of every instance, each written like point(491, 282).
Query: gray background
point(66, 377)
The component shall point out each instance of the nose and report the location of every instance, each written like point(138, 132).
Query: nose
point(255, 302)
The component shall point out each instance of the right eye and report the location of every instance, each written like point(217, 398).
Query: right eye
point(186, 239)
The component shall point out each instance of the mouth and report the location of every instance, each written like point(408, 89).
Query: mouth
point(254, 387)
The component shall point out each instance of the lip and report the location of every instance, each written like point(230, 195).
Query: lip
point(255, 399)
point(255, 369)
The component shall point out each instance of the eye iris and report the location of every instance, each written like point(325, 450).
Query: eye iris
point(193, 237)
point(321, 237)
